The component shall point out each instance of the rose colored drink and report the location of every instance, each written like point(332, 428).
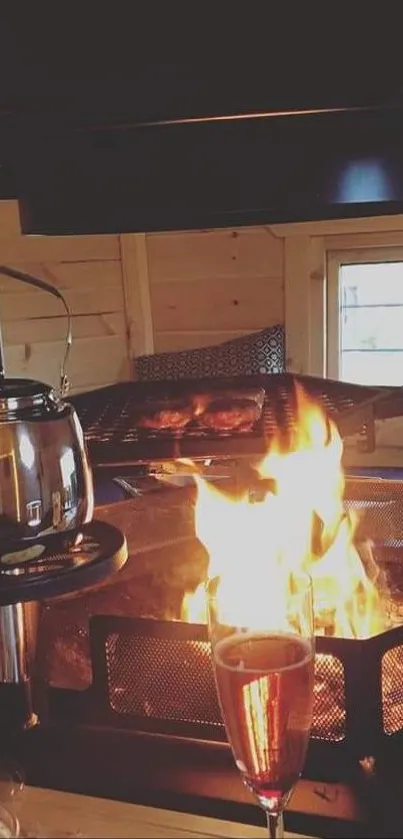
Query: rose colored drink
point(265, 686)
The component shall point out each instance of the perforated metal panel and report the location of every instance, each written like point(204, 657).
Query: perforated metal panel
point(172, 679)
point(157, 676)
point(158, 671)
point(162, 678)
point(392, 690)
point(329, 709)
point(379, 504)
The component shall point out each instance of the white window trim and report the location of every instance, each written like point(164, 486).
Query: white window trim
point(309, 251)
point(334, 260)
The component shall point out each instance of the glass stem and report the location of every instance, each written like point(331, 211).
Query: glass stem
point(275, 825)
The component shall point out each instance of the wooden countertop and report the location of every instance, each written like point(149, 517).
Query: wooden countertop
point(52, 813)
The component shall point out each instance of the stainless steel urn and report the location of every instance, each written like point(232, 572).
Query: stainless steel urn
point(46, 491)
point(45, 479)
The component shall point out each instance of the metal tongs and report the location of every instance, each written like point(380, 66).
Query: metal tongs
point(35, 281)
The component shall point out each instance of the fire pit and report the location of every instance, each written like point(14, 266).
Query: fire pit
point(152, 672)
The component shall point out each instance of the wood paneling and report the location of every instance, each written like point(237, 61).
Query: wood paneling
point(89, 288)
point(171, 341)
point(131, 294)
point(53, 329)
point(136, 294)
point(58, 248)
point(92, 361)
point(66, 275)
point(249, 252)
point(208, 304)
point(88, 271)
point(36, 304)
point(210, 286)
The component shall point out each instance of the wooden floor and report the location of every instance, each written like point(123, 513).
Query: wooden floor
point(177, 775)
point(50, 813)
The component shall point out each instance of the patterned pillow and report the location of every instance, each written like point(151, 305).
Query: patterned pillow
point(259, 352)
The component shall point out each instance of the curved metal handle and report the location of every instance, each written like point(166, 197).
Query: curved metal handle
point(35, 281)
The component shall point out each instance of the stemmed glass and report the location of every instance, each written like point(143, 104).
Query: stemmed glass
point(264, 669)
point(12, 783)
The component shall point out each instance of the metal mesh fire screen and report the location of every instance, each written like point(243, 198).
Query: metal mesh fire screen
point(150, 671)
point(156, 675)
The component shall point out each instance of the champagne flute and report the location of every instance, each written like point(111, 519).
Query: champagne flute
point(264, 671)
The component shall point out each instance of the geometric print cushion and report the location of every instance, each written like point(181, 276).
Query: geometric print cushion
point(259, 352)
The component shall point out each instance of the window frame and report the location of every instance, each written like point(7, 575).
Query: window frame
point(335, 259)
point(308, 250)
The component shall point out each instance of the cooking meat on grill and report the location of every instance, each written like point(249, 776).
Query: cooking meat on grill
point(231, 415)
point(165, 417)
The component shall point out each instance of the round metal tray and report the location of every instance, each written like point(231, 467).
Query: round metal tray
point(101, 552)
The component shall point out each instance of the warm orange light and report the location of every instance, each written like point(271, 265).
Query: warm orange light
point(255, 547)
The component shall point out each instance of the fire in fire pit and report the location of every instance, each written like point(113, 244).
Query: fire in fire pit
point(292, 519)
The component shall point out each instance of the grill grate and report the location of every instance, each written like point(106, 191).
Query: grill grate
point(108, 417)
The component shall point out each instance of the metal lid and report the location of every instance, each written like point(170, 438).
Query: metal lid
point(27, 397)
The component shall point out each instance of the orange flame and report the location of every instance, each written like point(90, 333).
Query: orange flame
point(302, 526)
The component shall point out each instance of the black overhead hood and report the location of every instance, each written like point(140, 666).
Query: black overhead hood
point(215, 172)
point(172, 131)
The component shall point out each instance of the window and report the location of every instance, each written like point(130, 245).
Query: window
point(365, 316)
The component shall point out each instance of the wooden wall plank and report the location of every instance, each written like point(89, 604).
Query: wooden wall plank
point(89, 288)
point(53, 329)
point(172, 341)
point(57, 248)
point(243, 253)
point(88, 272)
point(36, 304)
point(67, 275)
point(136, 294)
point(210, 304)
point(92, 361)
